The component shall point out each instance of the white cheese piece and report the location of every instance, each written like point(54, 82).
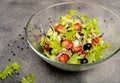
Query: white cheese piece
point(89, 40)
point(76, 43)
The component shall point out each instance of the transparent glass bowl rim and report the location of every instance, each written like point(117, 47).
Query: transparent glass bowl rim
point(87, 3)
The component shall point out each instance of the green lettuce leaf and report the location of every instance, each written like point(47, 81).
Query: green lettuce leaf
point(97, 52)
point(74, 59)
point(54, 42)
point(56, 47)
point(69, 33)
point(9, 70)
point(72, 12)
point(28, 79)
point(63, 20)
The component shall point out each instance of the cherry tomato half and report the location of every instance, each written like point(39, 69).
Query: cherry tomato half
point(76, 49)
point(59, 27)
point(63, 58)
point(95, 41)
point(78, 26)
point(67, 43)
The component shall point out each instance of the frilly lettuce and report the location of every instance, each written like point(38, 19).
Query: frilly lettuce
point(97, 51)
point(89, 26)
point(72, 12)
point(9, 70)
point(74, 59)
point(28, 79)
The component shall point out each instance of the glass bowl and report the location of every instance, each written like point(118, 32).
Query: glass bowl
point(109, 24)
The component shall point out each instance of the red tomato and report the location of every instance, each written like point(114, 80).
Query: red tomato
point(47, 47)
point(59, 27)
point(76, 49)
point(95, 41)
point(78, 26)
point(67, 43)
point(63, 58)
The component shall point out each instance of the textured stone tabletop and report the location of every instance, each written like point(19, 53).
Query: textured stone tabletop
point(14, 15)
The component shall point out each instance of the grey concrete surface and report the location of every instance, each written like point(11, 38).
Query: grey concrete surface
point(14, 15)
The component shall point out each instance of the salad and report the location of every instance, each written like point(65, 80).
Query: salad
point(74, 39)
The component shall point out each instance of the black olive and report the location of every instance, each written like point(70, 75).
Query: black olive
point(87, 46)
point(83, 61)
